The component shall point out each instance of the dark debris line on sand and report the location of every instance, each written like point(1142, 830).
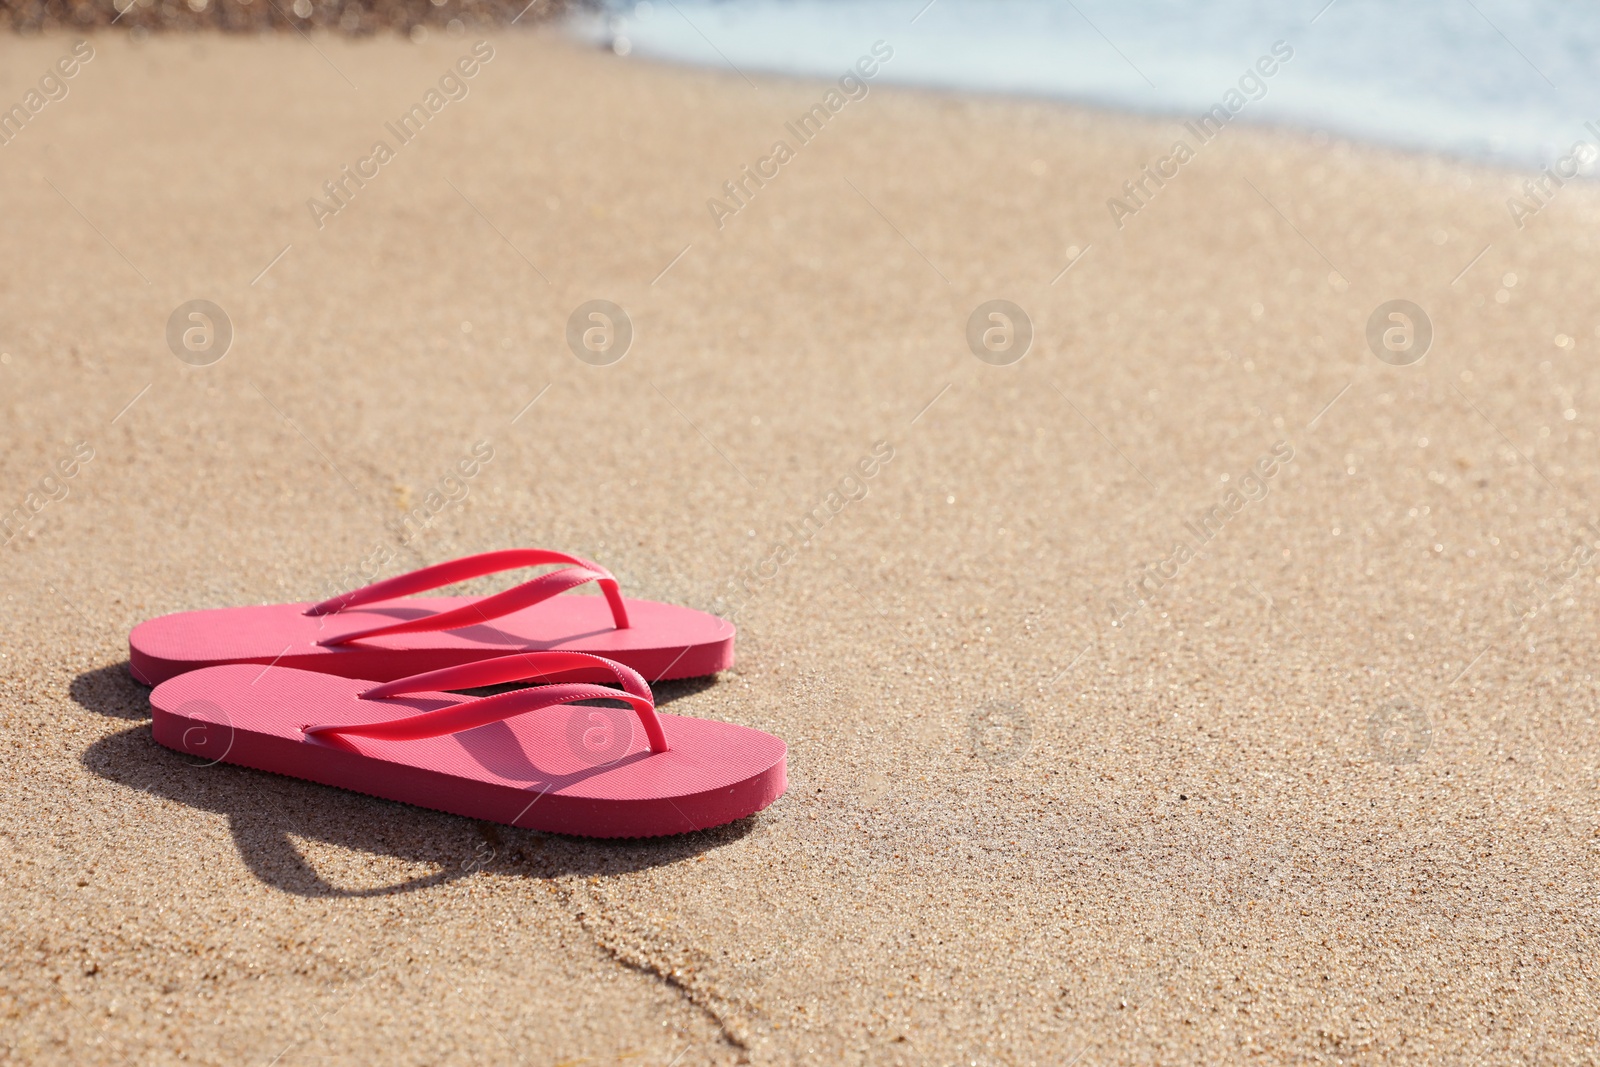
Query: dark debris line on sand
point(355, 17)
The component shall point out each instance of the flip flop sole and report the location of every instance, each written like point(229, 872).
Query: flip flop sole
point(579, 769)
point(664, 641)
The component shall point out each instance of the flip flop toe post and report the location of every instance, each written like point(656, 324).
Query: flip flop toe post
point(529, 757)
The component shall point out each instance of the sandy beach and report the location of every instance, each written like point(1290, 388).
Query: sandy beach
point(1197, 688)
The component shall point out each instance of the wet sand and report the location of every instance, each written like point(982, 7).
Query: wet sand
point(1107, 746)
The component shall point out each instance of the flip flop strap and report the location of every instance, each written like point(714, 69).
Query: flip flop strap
point(485, 710)
point(481, 712)
point(517, 667)
point(516, 598)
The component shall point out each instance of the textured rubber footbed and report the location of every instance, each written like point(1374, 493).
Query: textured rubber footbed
point(575, 769)
point(664, 640)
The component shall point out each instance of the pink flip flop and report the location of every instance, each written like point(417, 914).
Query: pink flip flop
point(589, 771)
point(356, 635)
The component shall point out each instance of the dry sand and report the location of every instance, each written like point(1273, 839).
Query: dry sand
point(1328, 797)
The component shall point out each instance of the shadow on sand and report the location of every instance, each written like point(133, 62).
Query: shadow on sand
point(264, 809)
